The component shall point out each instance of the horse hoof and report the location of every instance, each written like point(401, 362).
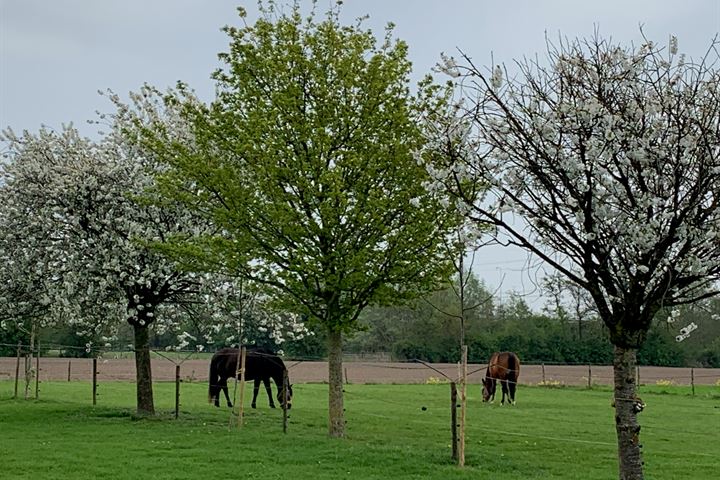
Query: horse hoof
point(272, 406)
point(253, 406)
point(230, 405)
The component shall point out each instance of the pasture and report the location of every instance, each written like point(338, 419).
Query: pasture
point(551, 433)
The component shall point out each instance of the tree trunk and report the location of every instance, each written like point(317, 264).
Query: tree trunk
point(626, 424)
point(143, 373)
point(335, 380)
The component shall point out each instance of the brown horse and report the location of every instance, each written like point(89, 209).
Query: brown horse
point(260, 365)
point(503, 366)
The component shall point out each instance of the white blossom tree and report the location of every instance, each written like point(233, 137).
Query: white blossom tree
point(75, 199)
point(610, 157)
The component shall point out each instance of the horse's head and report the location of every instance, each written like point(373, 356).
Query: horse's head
point(487, 389)
point(281, 397)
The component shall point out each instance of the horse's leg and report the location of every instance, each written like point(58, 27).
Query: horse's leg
point(217, 392)
point(512, 386)
point(493, 387)
point(224, 387)
point(504, 384)
point(256, 389)
point(216, 400)
point(268, 389)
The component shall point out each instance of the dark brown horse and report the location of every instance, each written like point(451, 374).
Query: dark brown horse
point(503, 366)
point(260, 365)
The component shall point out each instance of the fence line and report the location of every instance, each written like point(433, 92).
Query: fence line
point(301, 370)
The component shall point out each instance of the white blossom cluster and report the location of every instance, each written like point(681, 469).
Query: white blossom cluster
point(76, 229)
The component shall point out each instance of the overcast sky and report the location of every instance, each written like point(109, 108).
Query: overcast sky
point(56, 54)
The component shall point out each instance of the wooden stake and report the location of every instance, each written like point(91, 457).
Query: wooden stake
point(17, 369)
point(177, 391)
point(94, 381)
point(241, 410)
point(589, 376)
point(37, 371)
point(69, 368)
point(463, 407)
point(453, 419)
point(286, 388)
point(543, 374)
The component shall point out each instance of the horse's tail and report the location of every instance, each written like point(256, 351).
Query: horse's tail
point(213, 379)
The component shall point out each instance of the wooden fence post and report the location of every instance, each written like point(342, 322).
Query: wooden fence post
point(17, 368)
point(177, 391)
point(589, 376)
point(543, 373)
point(692, 380)
point(69, 368)
point(453, 419)
point(94, 381)
point(637, 376)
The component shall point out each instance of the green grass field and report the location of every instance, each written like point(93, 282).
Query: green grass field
point(551, 433)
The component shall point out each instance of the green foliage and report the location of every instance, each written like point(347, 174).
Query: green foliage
point(660, 348)
point(710, 356)
point(388, 435)
point(10, 335)
point(73, 345)
point(304, 162)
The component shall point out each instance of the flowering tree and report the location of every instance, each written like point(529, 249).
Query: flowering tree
point(304, 162)
point(84, 238)
point(610, 157)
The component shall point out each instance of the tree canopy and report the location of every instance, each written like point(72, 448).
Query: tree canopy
point(305, 164)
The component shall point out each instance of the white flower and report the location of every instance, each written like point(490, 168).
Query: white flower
point(448, 66)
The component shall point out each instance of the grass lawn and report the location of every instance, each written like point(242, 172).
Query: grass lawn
point(551, 433)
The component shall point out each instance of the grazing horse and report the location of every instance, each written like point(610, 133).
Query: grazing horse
point(260, 365)
point(503, 366)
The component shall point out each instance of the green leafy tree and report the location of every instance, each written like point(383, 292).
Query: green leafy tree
point(305, 164)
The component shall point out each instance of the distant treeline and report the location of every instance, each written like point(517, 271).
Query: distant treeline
point(429, 330)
